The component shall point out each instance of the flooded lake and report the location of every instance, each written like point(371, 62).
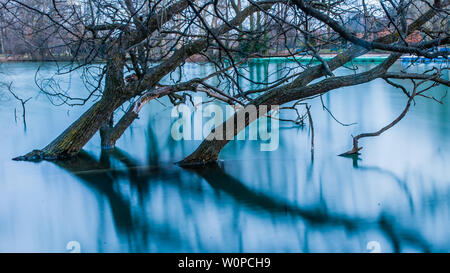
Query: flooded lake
point(394, 198)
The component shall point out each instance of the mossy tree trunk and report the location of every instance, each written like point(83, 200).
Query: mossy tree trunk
point(72, 140)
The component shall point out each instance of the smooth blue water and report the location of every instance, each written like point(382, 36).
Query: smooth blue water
point(134, 199)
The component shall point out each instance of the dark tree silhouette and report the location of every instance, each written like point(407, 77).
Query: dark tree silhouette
point(141, 42)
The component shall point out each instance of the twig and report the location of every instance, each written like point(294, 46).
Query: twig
point(22, 102)
point(356, 148)
point(310, 124)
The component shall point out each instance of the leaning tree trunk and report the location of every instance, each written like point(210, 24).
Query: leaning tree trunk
point(209, 149)
point(72, 140)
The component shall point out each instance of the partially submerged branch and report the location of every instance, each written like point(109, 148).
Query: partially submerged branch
point(355, 149)
point(308, 111)
point(412, 76)
point(22, 102)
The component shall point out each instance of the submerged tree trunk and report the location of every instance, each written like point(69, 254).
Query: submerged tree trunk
point(72, 140)
point(209, 149)
point(78, 134)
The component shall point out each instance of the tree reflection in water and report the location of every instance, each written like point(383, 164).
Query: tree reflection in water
point(133, 211)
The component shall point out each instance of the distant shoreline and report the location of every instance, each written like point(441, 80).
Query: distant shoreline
point(369, 57)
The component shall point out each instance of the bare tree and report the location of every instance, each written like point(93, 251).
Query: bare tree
point(143, 41)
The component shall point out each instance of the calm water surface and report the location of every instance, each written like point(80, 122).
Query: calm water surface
point(134, 199)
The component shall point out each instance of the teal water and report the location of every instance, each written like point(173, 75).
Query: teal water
point(134, 199)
